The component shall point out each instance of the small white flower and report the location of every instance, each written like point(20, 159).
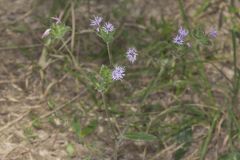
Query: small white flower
point(108, 27)
point(132, 54)
point(96, 21)
point(118, 73)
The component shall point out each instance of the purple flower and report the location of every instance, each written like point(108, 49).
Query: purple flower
point(96, 22)
point(132, 54)
point(56, 19)
point(108, 27)
point(118, 73)
point(178, 40)
point(213, 33)
point(46, 33)
point(182, 32)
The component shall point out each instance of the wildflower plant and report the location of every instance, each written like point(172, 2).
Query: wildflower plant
point(113, 72)
point(50, 36)
point(172, 70)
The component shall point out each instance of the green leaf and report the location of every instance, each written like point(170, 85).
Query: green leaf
point(105, 73)
point(89, 129)
point(140, 136)
point(59, 30)
point(107, 37)
point(200, 36)
point(105, 79)
point(76, 126)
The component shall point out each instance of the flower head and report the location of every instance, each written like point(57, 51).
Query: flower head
point(118, 73)
point(46, 33)
point(182, 32)
point(213, 33)
point(178, 40)
point(108, 27)
point(56, 19)
point(132, 54)
point(96, 21)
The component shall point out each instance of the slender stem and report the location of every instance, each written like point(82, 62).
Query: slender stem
point(43, 58)
point(235, 90)
point(183, 13)
point(109, 54)
point(75, 63)
point(107, 114)
point(209, 136)
point(115, 154)
point(73, 26)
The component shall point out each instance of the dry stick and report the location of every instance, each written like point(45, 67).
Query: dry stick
point(14, 121)
point(74, 61)
point(52, 84)
point(21, 47)
point(62, 106)
point(73, 26)
point(85, 31)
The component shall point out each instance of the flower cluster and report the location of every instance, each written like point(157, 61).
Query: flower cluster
point(104, 31)
point(179, 39)
point(96, 23)
point(119, 72)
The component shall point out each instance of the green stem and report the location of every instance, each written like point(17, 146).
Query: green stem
point(75, 63)
point(235, 90)
point(109, 54)
point(209, 136)
point(183, 13)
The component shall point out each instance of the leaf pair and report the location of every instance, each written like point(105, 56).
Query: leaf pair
point(102, 81)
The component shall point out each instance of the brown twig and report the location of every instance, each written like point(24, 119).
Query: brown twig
point(62, 106)
point(14, 121)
